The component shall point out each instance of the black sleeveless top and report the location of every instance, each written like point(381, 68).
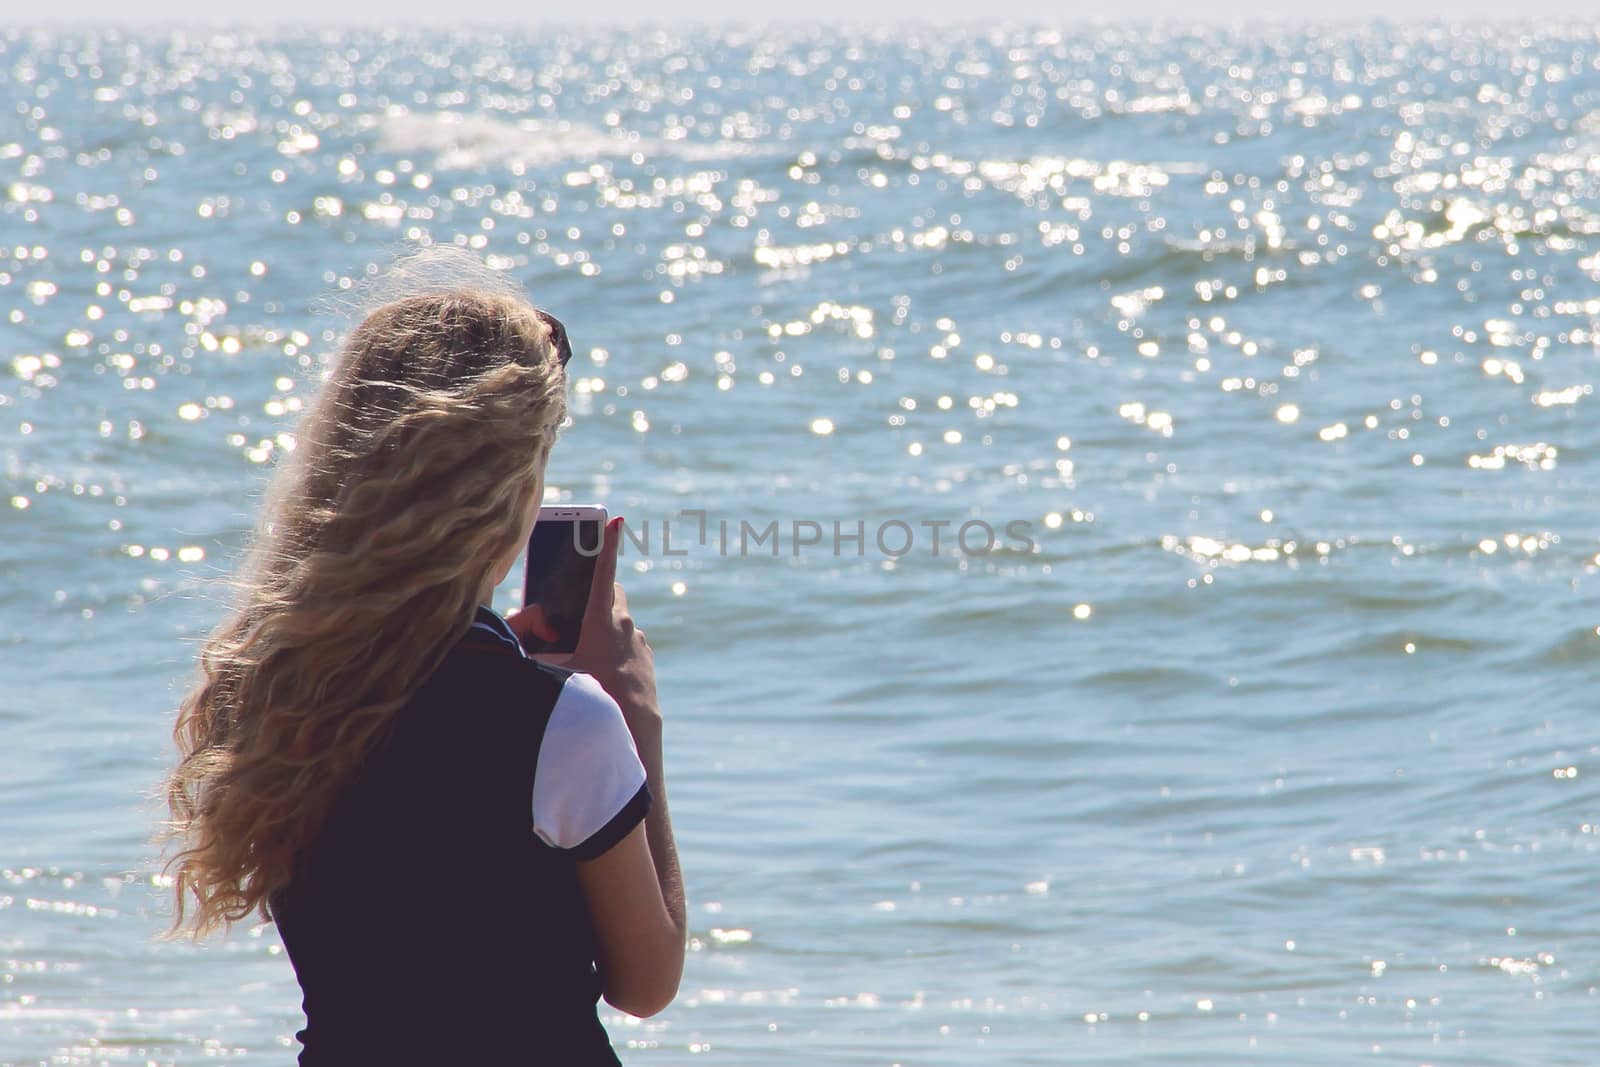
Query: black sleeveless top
point(427, 923)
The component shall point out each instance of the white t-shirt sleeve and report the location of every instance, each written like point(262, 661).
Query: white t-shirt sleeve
point(589, 787)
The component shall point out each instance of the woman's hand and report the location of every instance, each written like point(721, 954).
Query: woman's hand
point(610, 646)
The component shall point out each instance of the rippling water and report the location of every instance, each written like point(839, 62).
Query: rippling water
point(1276, 740)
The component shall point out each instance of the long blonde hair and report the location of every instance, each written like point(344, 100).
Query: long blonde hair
point(411, 479)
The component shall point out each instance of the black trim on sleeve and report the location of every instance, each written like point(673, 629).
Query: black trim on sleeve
point(620, 826)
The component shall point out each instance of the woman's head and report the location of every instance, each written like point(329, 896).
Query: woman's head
point(413, 483)
point(439, 415)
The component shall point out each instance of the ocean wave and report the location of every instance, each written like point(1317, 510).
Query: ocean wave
point(476, 141)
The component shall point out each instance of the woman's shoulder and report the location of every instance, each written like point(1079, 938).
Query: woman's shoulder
point(589, 784)
point(490, 651)
point(480, 682)
point(481, 654)
point(583, 691)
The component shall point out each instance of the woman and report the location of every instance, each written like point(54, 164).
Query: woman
point(462, 848)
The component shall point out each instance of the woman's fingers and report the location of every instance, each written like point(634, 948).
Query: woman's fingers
point(531, 621)
point(605, 564)
point(597, 615)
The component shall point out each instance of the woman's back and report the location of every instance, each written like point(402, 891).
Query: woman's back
point(428, 918)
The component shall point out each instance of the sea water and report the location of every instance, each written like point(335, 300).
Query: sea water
point(1245, 708)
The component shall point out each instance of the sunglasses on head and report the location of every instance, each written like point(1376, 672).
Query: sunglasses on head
point(558, 336)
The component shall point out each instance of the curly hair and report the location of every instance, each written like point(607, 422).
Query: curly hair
point(412, 476)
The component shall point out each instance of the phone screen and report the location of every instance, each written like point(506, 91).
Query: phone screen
point(560, 570)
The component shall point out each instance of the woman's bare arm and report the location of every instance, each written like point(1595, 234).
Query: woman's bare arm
point(635, 895)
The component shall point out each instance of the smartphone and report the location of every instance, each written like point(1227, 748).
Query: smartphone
point(562, 551)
